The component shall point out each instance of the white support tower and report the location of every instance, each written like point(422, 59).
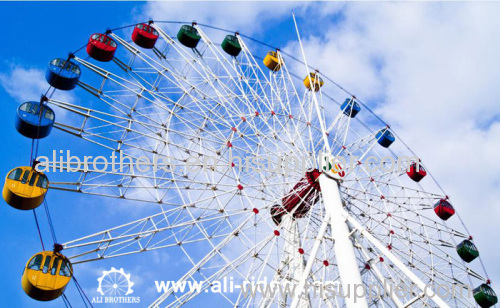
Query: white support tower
point(350, 276)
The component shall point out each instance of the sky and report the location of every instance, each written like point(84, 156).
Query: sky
point(429, 69)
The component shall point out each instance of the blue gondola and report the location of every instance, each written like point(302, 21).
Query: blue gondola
point(62, 74)
point(33, 124)
point(350, 107)
point(384, 137)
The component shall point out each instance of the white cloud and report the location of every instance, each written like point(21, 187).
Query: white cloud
point(249, 17)
point(24, 84)
point(28, 84)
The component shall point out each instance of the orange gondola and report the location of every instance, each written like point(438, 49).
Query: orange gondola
point(25, 188)
point(46, 275)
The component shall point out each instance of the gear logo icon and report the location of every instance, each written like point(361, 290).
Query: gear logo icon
point(115, 283)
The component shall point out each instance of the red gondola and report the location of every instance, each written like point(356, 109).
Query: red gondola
point(302, 195)
point(414, 174)
point(444, 209)
point(145, 36)
point(101, 47)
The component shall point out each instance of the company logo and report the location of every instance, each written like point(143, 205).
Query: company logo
point(115, 287)
point(331, 166)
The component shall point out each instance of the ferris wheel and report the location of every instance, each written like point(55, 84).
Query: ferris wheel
point(243, 191)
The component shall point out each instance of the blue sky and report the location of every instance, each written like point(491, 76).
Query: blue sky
point(431, 70)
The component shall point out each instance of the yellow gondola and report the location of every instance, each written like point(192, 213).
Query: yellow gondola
point(272, 61)
point(25, 188)
point(46, 275)
point(317, 82)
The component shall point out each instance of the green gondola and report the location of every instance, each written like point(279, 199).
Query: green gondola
point(231, 45)
point(467, 251)
point(188, 36)
point(485, 296)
